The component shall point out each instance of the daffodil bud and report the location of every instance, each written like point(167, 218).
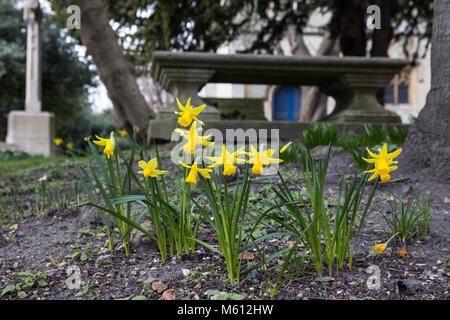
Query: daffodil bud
point(113, 140)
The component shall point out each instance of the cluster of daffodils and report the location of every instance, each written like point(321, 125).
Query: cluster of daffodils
point(193, 138)
point(174, 225)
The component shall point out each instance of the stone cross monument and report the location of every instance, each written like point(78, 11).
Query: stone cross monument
point(32, 129)
point(33, 95)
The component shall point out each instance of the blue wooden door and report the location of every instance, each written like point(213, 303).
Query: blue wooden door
point(287, 103)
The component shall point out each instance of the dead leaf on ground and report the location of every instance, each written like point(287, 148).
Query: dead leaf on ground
point(159, 287)
point(168, 295)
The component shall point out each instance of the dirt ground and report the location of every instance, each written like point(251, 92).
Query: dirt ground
point(38, 252)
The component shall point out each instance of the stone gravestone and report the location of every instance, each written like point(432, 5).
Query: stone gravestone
point(32, 129)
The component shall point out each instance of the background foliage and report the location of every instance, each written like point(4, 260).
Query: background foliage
point(66, 79)
point(203, 25)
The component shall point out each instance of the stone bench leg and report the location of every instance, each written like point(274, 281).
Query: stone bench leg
point(356, 101)
point(184, 84)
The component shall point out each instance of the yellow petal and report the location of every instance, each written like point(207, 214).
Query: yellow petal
point(239, 152)
point(369, 160)
point(239, 160)
point(395, 153)
point(384, 151)
point(188, 105)
point(101, 142)
point(185, 165)
point(153, 163)
point(142, 164)
point(198, 109)
point(373, 155)
point(206, 143)
point(217, 160)
point(189, 147)
point(157, 172)
point(182, 108)
point(373, 176)
point(205, 173)
point(393, 168)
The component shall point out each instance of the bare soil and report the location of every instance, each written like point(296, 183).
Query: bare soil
point(44, 247)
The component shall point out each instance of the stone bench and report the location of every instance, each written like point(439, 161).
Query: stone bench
point(352, 81)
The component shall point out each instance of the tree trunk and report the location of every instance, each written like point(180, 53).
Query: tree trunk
point(114, 69)
point(352, 28)
point(426, 152)
point(381, 38)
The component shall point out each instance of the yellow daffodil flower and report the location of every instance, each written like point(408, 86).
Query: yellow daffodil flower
point(261, 158)
point(285, 147)
point(70, 146)
point(193, 139)
point(123, 133)
point(58, 141)
point(86, 138)
point(149, 168)
point(379, 248)
point(136, 128)
point(193, 173)
point(188, 114)
point(227, 160)
point(382, 162)
point(109, 144)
